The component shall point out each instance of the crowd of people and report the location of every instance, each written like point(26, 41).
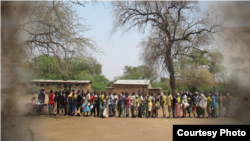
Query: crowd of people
point(107, 104)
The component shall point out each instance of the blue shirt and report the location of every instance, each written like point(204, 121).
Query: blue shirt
point(153, 98)
point(213, 101)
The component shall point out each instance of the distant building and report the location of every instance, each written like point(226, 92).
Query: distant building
point(62, 85)
point(133, 86)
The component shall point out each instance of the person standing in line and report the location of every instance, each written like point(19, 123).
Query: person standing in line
point(153, 104)
point(123, 104)
point(145, 105)
point(174, 102)
point(163, 104)
point(193, 104)
point(127, 104)
point(79, 103)
point(50, 102)
point(92, 109)
point(136, 105)
point(149, 105)
point(201, 98)
point(213, 106)
point(197, 105)
point(119, 106)
point(132, 101)
point(140, 108)
point(59, 94)
point(178, 105)
point(73, 104)
point(70, 96)
point(55, 104)
point(189, 102)
point(110, 104)
point(114, 104)
point(184, 101)
point(87, 103)
point(101, 97)
point(96, 105)
point(157, 107)
point(169, 102)
point(209, 101)
point(62, 102)
point(105, 102)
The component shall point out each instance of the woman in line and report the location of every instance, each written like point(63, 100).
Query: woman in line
point(178, 105)
point(73, 104)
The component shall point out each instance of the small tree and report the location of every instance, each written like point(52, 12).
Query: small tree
point(195, 76)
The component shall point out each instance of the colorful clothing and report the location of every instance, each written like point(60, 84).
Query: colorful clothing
point(169, 99)
point(216, 109)
point(178, 109)
point(164, 101)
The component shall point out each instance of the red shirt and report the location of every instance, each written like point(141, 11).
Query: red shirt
point(51, 99)
point(127, 101)
point(91, 99)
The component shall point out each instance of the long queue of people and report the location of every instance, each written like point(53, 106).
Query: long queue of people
point(107, 104)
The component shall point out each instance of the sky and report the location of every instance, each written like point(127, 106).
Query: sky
point(120, 49)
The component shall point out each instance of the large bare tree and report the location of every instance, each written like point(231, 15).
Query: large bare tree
point(55, 28)
point(175, 28)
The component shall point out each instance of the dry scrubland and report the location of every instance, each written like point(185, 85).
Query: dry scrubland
point(62, 128)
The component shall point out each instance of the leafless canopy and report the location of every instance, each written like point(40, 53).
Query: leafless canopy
point(175, 28)
point(54, 28)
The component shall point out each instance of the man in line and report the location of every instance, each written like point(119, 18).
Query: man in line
point(145, 105)
point(140, 108)
point(184, 101)
point(213, 106)
point(163, 104)
point(132, 101)
point(123, 104)
point(64, 102)
point(79, 103)
point(127, 104)
point(149, 105)
point(87, 101)
point(58, 101)
point(169, 102)
point(198, 98)
point(189, 102)
point(101, 103)
point(115, 99)
point(97, 99)
point(174, 101)
point(110, 104)
point(153, 104)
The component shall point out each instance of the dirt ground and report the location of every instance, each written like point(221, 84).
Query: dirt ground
point(62, 128)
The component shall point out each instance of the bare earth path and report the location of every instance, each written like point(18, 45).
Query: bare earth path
point(67, 128)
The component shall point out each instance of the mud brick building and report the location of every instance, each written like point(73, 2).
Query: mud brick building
point(62, 85)
point(133, 86)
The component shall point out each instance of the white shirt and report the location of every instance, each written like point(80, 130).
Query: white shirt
point(87, 99)
point(132, 100)
point(140, 100)
point(115, 97)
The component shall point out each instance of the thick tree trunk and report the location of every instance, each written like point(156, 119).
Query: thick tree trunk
point(170, 67)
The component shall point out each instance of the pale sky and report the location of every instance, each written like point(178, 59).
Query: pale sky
point(121, 49)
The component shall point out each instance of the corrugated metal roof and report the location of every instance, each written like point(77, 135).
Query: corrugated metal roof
point(61, 81)
point(133, 82)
